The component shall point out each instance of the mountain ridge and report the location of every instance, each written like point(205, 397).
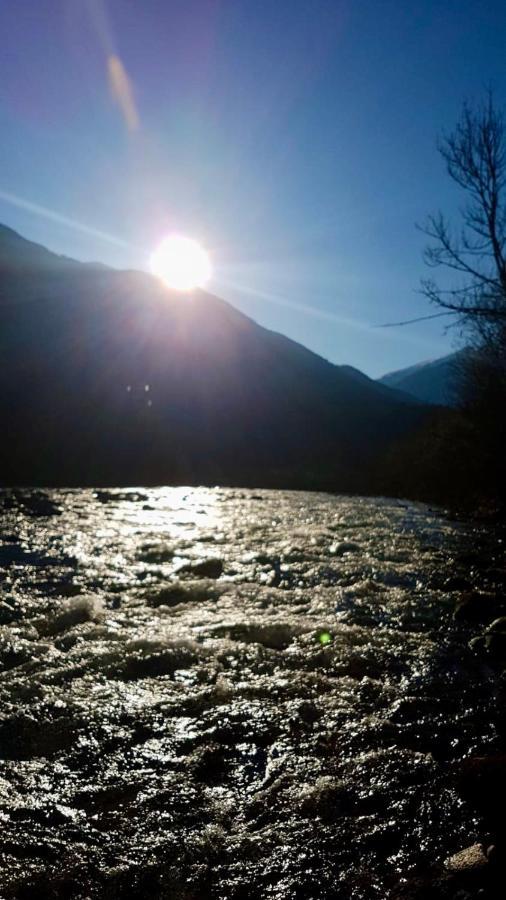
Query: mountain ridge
point(433, 381)
point(109, 377)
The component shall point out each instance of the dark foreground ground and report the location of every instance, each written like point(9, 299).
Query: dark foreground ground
point(236, 694)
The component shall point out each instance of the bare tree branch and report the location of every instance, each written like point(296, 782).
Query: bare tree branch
point(418, 319)
point(475, 157)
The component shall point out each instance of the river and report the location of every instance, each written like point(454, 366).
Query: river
point(217, 693)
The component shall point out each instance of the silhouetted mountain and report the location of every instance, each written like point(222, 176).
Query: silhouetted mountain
point(434, 381)
point(390, 392)
point(110, 378)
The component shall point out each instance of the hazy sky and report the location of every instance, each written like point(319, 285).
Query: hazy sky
point(294, 138)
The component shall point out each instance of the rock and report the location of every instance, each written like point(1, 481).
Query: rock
point(433, 886)
point(455, 582)
point(156, 554)
point(308, 712)
point(496, 855)
point(492, 853)
point(477, 645)
point(172, 595)
point(468, 861)
point(495, 644)
point(498, 625)
point(105, 496)
point(208, 568)
point(208, 763)
point(176, 593)
point(477, 606)
point(344, 547)
point(88, 608)
point(328, 798)
point(37, 503)
point(482, 782)
point(492, 642)
point(7, 614)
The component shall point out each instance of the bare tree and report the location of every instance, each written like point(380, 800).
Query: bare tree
point(475, 157)
point(475, 254)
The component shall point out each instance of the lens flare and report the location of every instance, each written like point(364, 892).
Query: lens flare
point(325, 637)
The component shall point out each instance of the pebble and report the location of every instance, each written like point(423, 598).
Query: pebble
point(471, 859)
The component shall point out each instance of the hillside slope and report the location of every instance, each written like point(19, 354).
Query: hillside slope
point(110, 378)
point(434, 382)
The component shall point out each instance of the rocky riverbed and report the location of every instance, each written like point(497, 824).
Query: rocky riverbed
point(214, 693)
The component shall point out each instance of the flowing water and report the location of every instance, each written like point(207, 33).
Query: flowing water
point(213, 693)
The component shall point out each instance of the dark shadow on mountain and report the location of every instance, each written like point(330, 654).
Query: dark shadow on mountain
point(110, 378)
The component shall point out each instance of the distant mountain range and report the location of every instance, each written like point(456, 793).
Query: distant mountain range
point(108, 377)
point(433, 382)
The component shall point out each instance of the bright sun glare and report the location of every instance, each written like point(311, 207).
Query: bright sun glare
point(181, 263)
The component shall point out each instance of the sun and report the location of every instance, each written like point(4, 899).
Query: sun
point(181, 263)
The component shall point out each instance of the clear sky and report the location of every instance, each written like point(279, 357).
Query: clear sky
point(294, 138)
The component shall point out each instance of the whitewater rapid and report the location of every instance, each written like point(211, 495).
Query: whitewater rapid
point(214, 693)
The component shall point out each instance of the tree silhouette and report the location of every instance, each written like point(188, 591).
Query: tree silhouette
point(475, 157)
point(474, 251)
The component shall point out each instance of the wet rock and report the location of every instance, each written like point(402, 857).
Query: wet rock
point(13, 654)
point(24, 737)
point(72, 612)
point(189, 592)
point(172, 595)
point(7, 613)
point(492, 642)
point(208, 568)
point(34, 503)
point(496, 855)
point(105, 496)
point(68, 589)
point(469, 861)
point(307, 712)
point(156, 554)
point(491, 853)
point(344, 547)
point(207, 763)
point(361, 666)
point(482, 782)
point(328, 798)
point(153, 661)
point(495, 641)
point(273, 635)
point(455, 583)
point(477, 606)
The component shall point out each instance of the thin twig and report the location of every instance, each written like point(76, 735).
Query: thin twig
point(451, 312)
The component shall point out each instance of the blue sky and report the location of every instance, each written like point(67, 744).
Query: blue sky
point(295, 138)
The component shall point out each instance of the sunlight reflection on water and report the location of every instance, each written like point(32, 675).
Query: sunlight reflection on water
point(265, 664)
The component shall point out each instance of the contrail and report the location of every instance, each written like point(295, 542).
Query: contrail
point(53, 216)
point(323, 314)
point(293, 304)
